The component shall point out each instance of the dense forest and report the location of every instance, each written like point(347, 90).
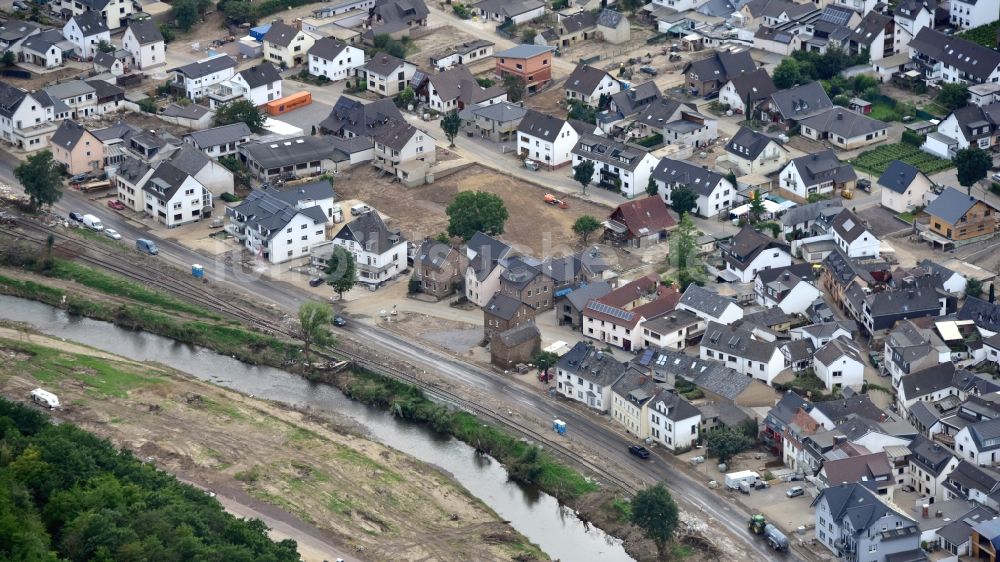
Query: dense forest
point(66, 494)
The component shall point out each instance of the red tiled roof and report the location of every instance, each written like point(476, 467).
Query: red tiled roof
point(650, 214)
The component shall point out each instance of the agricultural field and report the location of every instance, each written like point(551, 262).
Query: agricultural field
point(985, 35)
point(877, 160)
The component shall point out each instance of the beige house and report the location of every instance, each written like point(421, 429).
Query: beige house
point(844, 128)
point(904, 187)
point(286, 46)
point(613, 27)
point(75, 147)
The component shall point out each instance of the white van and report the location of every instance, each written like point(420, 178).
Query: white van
point(93, 223)
point(45, 398)
point(360, 210)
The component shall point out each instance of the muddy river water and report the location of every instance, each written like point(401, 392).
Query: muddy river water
point(536, 515)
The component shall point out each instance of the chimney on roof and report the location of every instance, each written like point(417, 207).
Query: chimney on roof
point(840, 115)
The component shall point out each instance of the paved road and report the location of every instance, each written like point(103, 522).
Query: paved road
point(597, 436)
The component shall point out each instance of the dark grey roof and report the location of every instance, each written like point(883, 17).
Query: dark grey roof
point(929, 455)
point(925, 414)
point(90, 23)
point(784, 410)
point(971, 477)
point(383, 64)
point(360, 118)
point(104, 60)
point(189, 159)
point(397, 15)
point(672, 172)
point(844, 269)
point(433, 254)
point(820, 167)
point(849, 226)
point(986, 434)
point(68, 134)
point(968, 57)
point(803, 271)
point(190, 111)
point(746, 244)
point(520, 334)
point(585, 360)
point(608, 151)
point(808, 212)
point(609, 18)
point(959, 531)
point(799, 350)
point(843, 123)
point(104, 90)
point(579, 297)
point(585, 79)
point(260, 75)
point(42, 42)
point(871, 25)
point(524, 51)
point(721, 66)
point(203, 68)
point(951, 205)
point(735, 340)
point(116, 131)
point(717, 8)
point(672, 322)
point(636, 386)
point(132, 169)
point(457, 83)
point(756, 85)
point(577, 22)
point(371, 233)
point(845, 409)
point(280, 33)
point(891, 303)
point(704, 300)
point(985, 314)
point(940, 377)
point(503, 306)
point(395, 134)
point(767, 318)
point(518, 273)
point(327, 48)
point(269, 215)
point(898, 176)
point(541, 125)
point(13, 30)
point(312, 191)
point(677, 407)
point(165, 181)
point(275, 154)
point(486, 252)
point(146, 31)
point(631, 101)
point(503, 112)
point(802, 101)
point(857, 503)
point(219, 135)
point(465, 48)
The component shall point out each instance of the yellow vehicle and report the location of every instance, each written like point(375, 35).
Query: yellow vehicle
point(847, 193)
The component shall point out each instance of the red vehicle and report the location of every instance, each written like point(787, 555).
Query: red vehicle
point(116, 204)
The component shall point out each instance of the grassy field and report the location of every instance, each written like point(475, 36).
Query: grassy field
point(877, 160)
point(985, 35)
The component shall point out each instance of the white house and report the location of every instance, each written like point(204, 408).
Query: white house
point(672, 330)
point(145, 42)
point(709, 305)
point(930, 464)
point(286, 46)
point(966, 14)
point(400, 143)
point(587, 84)
point(789, 288)
point(518, 11)
point(334, 59)
point(456, 89)
point(546, 139)
point(904, 187)
point(615, 318)
point(979, 442)
point(86, 31)
point(911, 16)
point(755, 153)
point(853, 237)
point(387, 75)
point(586, 374)
point(258, 84)
point(174, 197)
point(46, 49)
point(379, 252)
point(466, 53)
point(820, 172)
point(750, 251)
point(673, 421)
point(630, 397)
point(114, 12)
point(485, 255)
point(617, 165)
point(839, 363)
point(275, 229)
point(819, 334)
point(839, 528)
point(949, 58)
point(937, 382)
point(220, 141)
point(79, 99)
point(715, 193)
point(197, 78)
point(751, 87)
point(740, 351)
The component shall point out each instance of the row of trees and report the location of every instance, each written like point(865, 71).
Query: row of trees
point(806, 66)
point(66, 494)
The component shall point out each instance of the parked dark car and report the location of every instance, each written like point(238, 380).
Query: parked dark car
point(639, 451)
point(712, 96)
point(339, 321)
point(865, 185)
point(75, 216)
point(316, 281)
point(649, 70)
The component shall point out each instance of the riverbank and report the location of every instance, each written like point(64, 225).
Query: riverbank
point(375, 500)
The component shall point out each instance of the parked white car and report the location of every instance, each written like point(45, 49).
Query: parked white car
point(112, 234)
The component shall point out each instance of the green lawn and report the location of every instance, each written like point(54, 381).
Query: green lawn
point(906, 217)
point(985, 35)
point(877, 160)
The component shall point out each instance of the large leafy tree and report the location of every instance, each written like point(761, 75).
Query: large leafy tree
point(515, 88)
point(450, 124)
point(757, 208)
point(683, 200)
point(684, 253)
point(314, 325)
point(473, 211)
point(584, 173)
point(655, 512)
point(652, 188)
point(725, 443)
point(41, 179)
point(585, 226)
point(341, 271)
point(787, 74)
point(972, 164)
point(240, 111)
point(186, 13)
point(953, 96)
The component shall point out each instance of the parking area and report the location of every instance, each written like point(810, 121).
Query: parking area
point(305, 117)
point(882, 221)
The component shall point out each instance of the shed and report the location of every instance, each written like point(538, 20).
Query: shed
point(519, 344)
point(260, 31)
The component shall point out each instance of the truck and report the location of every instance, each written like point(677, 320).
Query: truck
point(93, 223)
point(775, 538)
point(735, 479)
point(45, 398)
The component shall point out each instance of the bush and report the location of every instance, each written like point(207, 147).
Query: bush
point(912, 138)
point(651, 140)
point(995, 188)
point(229, 198)
point(147, 105)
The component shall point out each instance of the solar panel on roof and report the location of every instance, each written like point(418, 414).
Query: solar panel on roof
point(646, 357)
point(612, 311)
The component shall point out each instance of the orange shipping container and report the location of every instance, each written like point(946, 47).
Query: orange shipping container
point(288, 103)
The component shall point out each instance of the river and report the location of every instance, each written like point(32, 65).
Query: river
point(536, 515)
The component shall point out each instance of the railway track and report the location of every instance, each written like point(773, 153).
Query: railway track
point(105, 258)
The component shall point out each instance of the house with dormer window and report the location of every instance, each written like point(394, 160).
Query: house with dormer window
point(379, 251)
point(585, 374)
point(741, 351)
point(715, 193)
point(618, 166)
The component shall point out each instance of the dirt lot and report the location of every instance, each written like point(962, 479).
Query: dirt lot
point(47, 79)
point(533, 226)
point(319, 469)
point(550, 101)
point(143, 121)
point(438, 41)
